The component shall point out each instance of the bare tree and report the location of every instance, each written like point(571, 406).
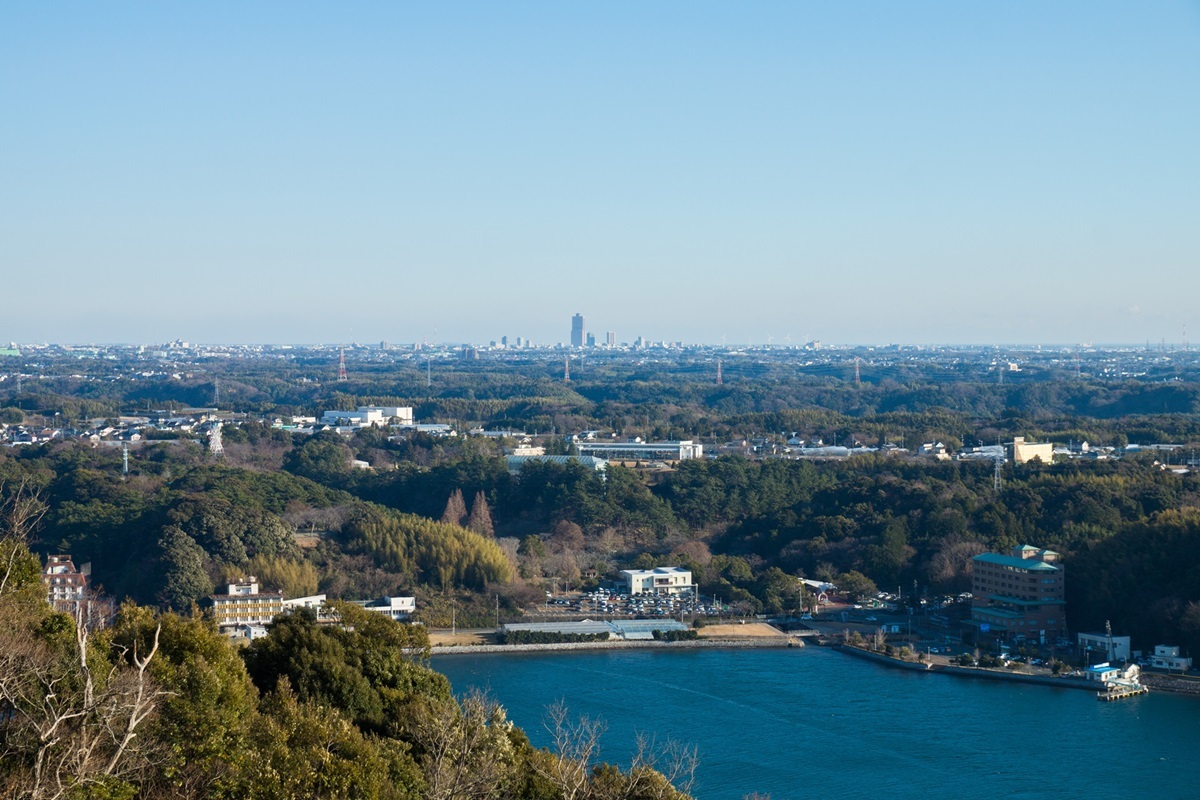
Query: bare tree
point(480, 520)
point(673, 761)
point(575, 744)
point(70, 727)
point(21, 513)
point(456, 509)
point(464, 749)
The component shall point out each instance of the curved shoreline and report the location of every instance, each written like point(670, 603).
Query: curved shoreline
point(477, 649)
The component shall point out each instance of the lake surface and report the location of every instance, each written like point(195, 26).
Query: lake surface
point(811, 722)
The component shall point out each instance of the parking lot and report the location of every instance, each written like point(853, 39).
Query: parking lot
point(604, 603)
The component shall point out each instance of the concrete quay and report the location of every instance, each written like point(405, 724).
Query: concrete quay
point(726, 644)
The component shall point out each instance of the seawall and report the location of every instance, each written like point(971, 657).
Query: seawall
point(470, 650)
point(971, 672)
point(1171, 683)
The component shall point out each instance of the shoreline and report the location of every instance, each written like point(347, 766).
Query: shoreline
point(1150, 680)
point(983, 673)
point(499, 649)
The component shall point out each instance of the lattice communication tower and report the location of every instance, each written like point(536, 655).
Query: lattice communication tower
point(214, 441)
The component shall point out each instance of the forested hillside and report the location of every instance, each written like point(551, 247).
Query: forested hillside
point(179, 525)
point(158, 705)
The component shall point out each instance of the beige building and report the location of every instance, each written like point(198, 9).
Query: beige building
point(1022, 452)
point(244, 604)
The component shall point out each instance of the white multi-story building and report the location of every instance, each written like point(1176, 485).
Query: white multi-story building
point(642, 451)
point(64, 584)
point(1167, 657)
point(660, 580)
point(365, 416)
point(1114, 648)
point(398, 608)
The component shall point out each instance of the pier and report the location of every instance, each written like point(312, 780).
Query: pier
point(1119, 691)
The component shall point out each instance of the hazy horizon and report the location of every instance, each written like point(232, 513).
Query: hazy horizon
point(1151, 346)
point(913, 173)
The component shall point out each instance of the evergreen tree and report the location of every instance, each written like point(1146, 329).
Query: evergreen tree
point(481, 517)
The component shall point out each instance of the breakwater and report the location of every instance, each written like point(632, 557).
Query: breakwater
point(969, 672)
point(693, 644)
point(1171, 683)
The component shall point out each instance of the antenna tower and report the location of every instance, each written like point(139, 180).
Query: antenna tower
point(1078, 365)
point(215, 447)
point(997, 478)
point(216, 392)
point(124, 461)
point(428, 372)
point(720, 380)
point(567, 369)
point(342, 376)
point(857, 371)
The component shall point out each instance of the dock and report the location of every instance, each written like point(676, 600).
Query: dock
point(1119, 691)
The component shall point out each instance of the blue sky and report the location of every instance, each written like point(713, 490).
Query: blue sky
point(853, 172)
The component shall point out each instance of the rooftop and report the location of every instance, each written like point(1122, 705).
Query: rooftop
point(1017, 563)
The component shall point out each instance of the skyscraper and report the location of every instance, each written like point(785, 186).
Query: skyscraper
point(577, 330)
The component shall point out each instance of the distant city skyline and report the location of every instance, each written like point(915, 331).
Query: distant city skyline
point(914, 173)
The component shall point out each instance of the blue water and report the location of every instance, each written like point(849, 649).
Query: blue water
point(813, 722)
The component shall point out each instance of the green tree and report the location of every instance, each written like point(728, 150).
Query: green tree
point(185, 579)
point(856, 585)
point(210, 704)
